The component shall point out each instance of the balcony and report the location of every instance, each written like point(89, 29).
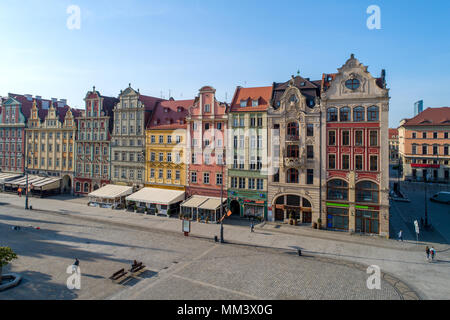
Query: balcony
point(292, 138)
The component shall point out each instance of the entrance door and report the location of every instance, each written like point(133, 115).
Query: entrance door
point(306, 217)
point(279, 215)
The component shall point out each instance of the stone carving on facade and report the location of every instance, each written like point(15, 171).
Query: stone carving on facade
point(299, 163)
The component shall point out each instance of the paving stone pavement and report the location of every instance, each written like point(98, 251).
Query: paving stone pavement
point(405, 261)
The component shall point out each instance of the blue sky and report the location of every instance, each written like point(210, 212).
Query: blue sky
point(182, 45)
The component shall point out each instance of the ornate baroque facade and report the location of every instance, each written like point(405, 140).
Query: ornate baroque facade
point(131, 115)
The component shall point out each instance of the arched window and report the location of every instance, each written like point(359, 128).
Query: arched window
point(292, 129)
point(345, 114)
point(78, 187)
point(337, 190)
point(373, 113)
point(332, 114)
point(367, 191)
point(292, 151)
point(293, 98)
point(358, 114)
point(86, 187)
point(292, 176)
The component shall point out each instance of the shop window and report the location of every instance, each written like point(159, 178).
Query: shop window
point(367, 191)
point(337, 190)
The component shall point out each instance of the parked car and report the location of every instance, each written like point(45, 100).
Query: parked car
point(443, 197)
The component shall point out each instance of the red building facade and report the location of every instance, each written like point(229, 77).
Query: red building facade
point(357, 152)
point(207, 124)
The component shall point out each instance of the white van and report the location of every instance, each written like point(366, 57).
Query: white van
point(442, 196)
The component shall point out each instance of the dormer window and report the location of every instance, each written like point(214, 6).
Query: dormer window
point(243, 103)
point(302, 84)
point(180, 109)
point(166, 110)
point(255, 103)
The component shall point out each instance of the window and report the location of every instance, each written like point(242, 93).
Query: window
point(310, 152)
point(241, 183)
point(254, 103)
point(207, 108)
point(367, 191)
point(309, 130)
point(169, 139)
point(292, 176)
point(373, 138)
point(160, 173)
point(152, 173)
point(243, 103)
point(161, 139)
point(260, 122)
point(337, 190)
point(169, 174)
point(161, 157)
point(345, 162)
point(435, 135)
point(331, 138)
point(372, 113)
point(352, 84)
point(345, 114)
point(358, 162)
point(169, 157)
point(219, 126)
point(194, 177)
point(309, 176)
point(445, 135)
point(358, 114)
point(346, 138)
point(233, 182)
point(178, 139)
point(414, 149)
point(446, 150)
point(435, 150)
point(292, 151)
point(259, 184)
point(331, 161)
point(251, 183)
point(207, 126)
point(424, 149)
point(332, 115)
point(252, 122)
point(177, 175)
point(424, 135)
point(373, 163)
point(358, 138)
point(152, 156)
point(219, 179)
point(292, 129)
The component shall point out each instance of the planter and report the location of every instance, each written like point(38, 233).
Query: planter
point(315, 225)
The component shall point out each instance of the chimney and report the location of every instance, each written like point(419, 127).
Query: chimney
point(38, 98)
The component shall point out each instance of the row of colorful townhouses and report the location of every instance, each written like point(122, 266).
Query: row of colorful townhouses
point(313, 152)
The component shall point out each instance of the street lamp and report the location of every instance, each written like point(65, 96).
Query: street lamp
point(221, 201)
point(26, 173)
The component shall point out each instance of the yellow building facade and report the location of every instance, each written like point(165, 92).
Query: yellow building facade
point(165, 158)
point(50, 142)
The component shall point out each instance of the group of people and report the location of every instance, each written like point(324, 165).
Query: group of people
point(430, 252)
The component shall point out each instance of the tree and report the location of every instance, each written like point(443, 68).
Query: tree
point(6, 256)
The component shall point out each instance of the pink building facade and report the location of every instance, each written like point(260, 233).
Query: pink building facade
point(207, 124)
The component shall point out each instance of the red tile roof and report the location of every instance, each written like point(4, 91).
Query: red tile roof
point(262, 94)
point(393, 133)
point(431, 117)
point(170, 114)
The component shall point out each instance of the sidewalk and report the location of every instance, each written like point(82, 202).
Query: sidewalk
point(403, 259)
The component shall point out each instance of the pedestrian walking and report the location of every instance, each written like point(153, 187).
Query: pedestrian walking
point(252, 226)
point(433, 253)
point(19, 192)
point(400, 235)
point(427, 251)
point(75, 265)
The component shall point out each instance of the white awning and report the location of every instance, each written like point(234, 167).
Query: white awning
point(111, 191)
point(157, 196)
point(22, 181)
point(47, 184)
point(194, 201)
point(211, 204)
point(9, 176)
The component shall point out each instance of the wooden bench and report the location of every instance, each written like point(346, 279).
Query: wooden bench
point(118, 275)
point(137, 267)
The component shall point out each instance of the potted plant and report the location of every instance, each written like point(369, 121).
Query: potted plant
point(319, 223)
point(6, 256)
point(291, 221)
point(315, 225)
